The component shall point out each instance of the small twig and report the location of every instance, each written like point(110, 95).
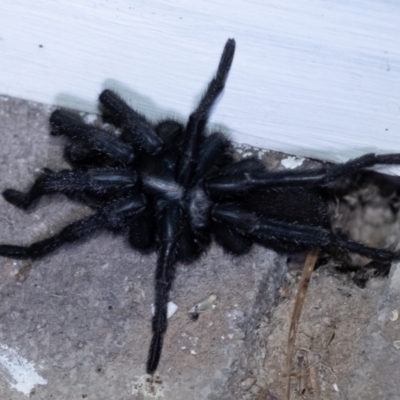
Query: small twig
point(329, 369)
point(298, 306)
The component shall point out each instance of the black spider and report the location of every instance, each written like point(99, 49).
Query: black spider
point(173, 188)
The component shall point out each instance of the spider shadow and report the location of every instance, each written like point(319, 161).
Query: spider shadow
point(153, 111)
point(141, 103)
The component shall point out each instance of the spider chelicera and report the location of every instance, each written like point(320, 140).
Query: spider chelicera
point(173, 188)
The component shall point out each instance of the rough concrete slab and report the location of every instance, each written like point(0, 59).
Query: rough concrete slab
point(377, 371)
point(346, 345)
point(76, 324)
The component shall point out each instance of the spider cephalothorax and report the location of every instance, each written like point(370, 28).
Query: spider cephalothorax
point(173, 188)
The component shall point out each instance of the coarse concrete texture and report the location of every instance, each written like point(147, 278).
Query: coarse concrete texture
point(77, 323)
point(377, 370)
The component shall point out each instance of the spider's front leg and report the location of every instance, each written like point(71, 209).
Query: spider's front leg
point(198, 119)
point(95, 181)
point(169, 225)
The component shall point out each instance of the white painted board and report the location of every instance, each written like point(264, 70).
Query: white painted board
point(317, 78)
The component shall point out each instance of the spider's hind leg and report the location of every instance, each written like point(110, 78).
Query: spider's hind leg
point(292, 237)
point(44, 184)
point(17, 198)
point(380, 255)
point(245, 181)
point(77, 230)
point(109, 217)
point(357, 164)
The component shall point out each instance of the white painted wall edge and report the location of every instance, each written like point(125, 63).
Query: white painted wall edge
point(316, 78)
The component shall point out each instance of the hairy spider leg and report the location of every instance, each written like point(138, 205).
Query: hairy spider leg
point(198, 119)
point(215, 150)
point(217, 84)
point(165, 273)
point(95, 181)
point(231, 239)
point(111, 216)
point(88, 140)
point(357, 164)
point(229, 184)
point(177, 242)
point(137, 128)
point(292, 237)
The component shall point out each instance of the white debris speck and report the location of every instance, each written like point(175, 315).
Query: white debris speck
point(249, 382)
point(335, 387)
point(90, 118)
point(231, 315)
point(19, 372)
point(203, 304)
point(223, 337)
point(394, 316)
point(183, 347)
point(172, 307)
point(230, 335)
point(396, 344)
point(193, 352)
point(292, 162)
point(194, 340)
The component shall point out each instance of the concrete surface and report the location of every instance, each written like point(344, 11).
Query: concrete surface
point(76, 324)
point(377, 371)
